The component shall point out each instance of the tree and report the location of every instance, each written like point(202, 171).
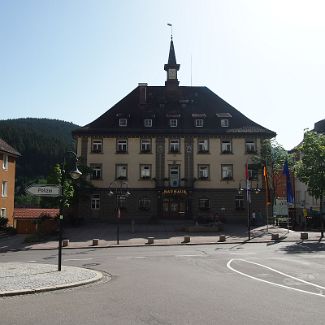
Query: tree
point(272, 156)
point(310, 169)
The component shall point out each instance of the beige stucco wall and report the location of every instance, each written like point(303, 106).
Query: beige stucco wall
point(109, 158)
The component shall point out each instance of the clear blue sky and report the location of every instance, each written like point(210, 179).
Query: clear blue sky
point(74, 59)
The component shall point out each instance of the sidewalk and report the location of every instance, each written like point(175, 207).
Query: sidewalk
point(168, 234)
point(26, 278)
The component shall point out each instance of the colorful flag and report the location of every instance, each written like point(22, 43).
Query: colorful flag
point(286, 172)
point(248, 192)
point(267, 186)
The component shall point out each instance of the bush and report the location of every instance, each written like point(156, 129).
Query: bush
point(3, 222)
point(10, 230)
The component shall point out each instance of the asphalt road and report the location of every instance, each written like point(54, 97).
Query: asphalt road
point(281, 283)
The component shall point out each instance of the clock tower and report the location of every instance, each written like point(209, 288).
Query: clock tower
point(171, 67)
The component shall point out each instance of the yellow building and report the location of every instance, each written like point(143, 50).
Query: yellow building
point(182, 151)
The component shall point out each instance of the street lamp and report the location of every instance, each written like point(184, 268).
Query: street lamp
point(249, 189)
point(74, 174)
point(120, 190)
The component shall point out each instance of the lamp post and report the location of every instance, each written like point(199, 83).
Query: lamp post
point(249, 190)
point(75, 174)
point(120, 190)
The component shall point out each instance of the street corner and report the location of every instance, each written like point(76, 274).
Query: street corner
point(27, 278)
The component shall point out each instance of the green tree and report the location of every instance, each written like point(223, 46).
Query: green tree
point(272, 156)
point(310, 169)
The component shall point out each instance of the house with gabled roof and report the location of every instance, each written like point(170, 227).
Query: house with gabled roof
point(181, 150)
point(8, 156)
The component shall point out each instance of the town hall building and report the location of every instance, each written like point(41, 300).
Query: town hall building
point(180, 151)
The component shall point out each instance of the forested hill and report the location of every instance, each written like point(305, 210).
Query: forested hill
point(41, 142)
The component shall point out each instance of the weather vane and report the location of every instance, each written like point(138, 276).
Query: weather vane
point(171, 30)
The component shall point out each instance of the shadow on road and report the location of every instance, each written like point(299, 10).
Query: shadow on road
point(304, 247)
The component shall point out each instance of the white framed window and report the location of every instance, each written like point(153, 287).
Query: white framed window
point(253, 172)
point(145, 145)
point(123, 122)
point(224, 123)
point(121, 145)
point(144, 203)
point(203, 172)
point(147, 123)
point(204, 203)
point(203, 145)
point(239, 202)
point(4, 191)
point(5, 161)
point(199, 123)
point(226, 172)
point(145, 171)
point(174, 145)
point(250, 146)
point(95, 202)
point(97, 145)
point(226, 146)
point(173, 122)
point(3, 213)
point(96, 171)
point(121, 171)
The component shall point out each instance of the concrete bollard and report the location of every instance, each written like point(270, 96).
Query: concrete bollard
point(95, 242)
point(187, 239)
point(275, 236)
point(151, 240)
point(304, 235)
point(222, 238)
point(65, 242)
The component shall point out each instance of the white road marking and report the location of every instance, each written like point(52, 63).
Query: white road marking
point(78, 259)
point(276, 284)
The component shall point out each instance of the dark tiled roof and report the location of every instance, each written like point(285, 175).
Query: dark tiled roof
point(4, 147)
point(186, 104)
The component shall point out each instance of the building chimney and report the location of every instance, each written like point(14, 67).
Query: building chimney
point(142, 93)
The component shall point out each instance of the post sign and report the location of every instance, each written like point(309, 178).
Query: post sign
point(44, 190)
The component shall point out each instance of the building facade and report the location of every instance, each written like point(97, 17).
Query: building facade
point(8, 156)
point(181, 151)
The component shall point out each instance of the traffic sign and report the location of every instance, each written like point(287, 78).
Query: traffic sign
point(44, 190)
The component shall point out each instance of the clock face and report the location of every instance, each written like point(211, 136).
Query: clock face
point(172, 73)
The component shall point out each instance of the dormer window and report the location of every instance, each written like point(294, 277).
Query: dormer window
point(199, 123)
point(147, 123)
point(173, 122)
point(224, 123)
point(123, 122)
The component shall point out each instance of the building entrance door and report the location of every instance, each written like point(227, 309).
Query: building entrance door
point(174, 208)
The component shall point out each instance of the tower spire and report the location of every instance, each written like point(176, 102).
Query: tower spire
point(171, 67)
